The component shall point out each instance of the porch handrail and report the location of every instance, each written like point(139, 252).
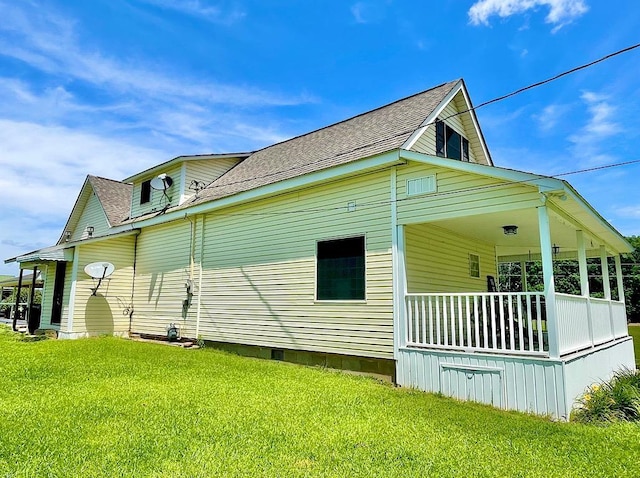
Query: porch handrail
point(585, 322)
point(493, 322)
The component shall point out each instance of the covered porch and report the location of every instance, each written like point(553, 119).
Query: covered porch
point(531, 344)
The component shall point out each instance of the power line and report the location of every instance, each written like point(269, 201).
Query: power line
point(212, 186)
point(548, 80)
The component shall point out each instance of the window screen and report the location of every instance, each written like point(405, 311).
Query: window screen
point(341, 269)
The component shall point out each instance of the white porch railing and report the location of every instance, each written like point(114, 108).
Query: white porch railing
point(585, 322)
point(506, 323)
point(510, 323)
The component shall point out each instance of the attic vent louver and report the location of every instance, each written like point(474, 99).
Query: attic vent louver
point(424, 185)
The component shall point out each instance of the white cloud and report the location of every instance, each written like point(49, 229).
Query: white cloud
point(550, 116)
point(590, 141)
point(372, 11)
point(629, 211)
point(560, 13)
point(201, 9)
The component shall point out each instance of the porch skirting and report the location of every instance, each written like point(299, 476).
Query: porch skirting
point(541, 386)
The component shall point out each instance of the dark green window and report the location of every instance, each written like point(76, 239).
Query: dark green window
point(341, 269)
point(450, 143)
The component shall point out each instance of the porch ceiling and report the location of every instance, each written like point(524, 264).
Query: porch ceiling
point(488, 228)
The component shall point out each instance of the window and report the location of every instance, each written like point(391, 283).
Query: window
point(341, 269)
point(474, 265)
point(145, 192)
point(450, 143)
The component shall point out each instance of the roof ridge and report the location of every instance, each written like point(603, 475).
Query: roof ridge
point(357, 116)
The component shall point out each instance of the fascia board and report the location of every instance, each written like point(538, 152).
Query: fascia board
point(385, 159)
point(75, 206)
point(408, 144)
point(543, 182)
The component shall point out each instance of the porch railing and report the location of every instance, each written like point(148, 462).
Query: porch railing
point(506, 323)
point(585, 322)
point(510, 323)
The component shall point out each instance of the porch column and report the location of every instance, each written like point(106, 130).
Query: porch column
point(619, 279)
point(16, 311)
point(604, 264)
point(523, 276)
point(549, 285)
point(582, 264)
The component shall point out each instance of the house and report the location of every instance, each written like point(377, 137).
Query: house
point(372, 244)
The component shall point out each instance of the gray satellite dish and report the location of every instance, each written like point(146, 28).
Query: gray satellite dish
point(100, 271)
point(162, 182)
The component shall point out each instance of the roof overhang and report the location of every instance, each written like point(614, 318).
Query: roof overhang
point(379, 161)
point(570, 210)
point(64, 252)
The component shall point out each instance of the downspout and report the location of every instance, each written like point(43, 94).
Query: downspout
point(200, 278)
point(133, 281)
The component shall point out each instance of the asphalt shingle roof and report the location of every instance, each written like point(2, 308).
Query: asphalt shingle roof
point(115, 197)
point(383, 129)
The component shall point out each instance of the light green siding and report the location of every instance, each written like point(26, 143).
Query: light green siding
point(92, 215)
point(205, 171)
point(106, 312)
point(459, 194)
point(259, 271)
point(162, 270)
point(462, 123)
point(66, 294)
point(438, 261)
point(158, 198)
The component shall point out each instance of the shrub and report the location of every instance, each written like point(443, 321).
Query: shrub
point(612, 401)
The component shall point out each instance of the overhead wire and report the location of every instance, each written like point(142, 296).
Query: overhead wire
point(409, 131)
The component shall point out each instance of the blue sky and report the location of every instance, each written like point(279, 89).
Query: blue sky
point(112, 87)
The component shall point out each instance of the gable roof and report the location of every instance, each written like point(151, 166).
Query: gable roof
point(383, 129)
point(114, 196)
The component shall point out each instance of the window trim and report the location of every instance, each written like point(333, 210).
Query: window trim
point(471, 262)
point(315, 276)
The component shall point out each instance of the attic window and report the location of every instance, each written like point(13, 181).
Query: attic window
point(451, 144)
point(145, 192)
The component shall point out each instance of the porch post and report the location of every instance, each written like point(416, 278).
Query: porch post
point(582, 263)
point(16, 311)
point(604, 264)
point(549, 285)
point(584, 281)
point(619, 278)
point(523, 276)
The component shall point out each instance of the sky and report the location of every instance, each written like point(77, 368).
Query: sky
point(112, 87)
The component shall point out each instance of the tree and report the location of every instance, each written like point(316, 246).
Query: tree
point(631, 279)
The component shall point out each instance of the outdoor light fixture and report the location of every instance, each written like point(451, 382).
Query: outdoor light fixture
point(555, 249)
point(67, 236)
point(90, 230)
point(510, 230)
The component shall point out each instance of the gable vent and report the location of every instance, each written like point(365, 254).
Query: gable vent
point(424, 185)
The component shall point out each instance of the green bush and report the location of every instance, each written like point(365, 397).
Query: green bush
point(612, 401)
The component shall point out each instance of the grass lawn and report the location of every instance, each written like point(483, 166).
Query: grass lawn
point(111, 407)
point(634, 331)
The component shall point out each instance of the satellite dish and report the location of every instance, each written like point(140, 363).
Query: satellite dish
point(162, 182)
point(99, 270)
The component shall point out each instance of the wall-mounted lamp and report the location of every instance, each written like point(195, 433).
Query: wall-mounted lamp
point(510, 230)
point(67, 236)
point(90, 230)
point(555, 249)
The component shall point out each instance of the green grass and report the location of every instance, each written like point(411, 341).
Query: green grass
point(111, 407)
point(634, 331)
